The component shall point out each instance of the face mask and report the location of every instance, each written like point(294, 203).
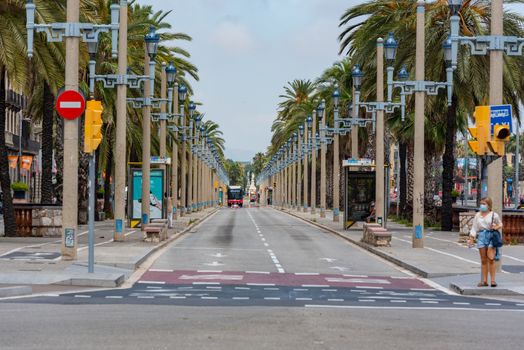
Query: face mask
point(484, 207)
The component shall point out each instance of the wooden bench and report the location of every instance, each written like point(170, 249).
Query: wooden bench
point(376, 235)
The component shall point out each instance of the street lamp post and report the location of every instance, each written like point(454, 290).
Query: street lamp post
point(299, 167)
point(151, 47)
point(313, 133)
point(336, 158)
point(321, 116)
point(307, 141)
point(71, 31)
point(420, 88)
point(182, 92)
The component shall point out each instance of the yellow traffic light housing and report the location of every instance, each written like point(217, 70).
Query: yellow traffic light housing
point(481, 132)
point(501, 134)
point(93, 125)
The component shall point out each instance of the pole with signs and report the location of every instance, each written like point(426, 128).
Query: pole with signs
point(92, 139)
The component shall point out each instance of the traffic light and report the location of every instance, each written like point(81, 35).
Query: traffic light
point(501, 133)
point(481, 132)
point(93, 125)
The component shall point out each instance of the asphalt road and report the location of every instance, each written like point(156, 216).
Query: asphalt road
point(260, 279)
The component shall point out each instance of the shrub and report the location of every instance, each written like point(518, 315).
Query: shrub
point(19, 186)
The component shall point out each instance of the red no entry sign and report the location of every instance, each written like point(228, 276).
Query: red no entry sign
point(70, 104)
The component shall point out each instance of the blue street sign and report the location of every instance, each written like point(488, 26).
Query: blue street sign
point(500, 115)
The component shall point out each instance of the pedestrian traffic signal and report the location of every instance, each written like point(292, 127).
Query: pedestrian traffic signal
point(93, 126)
point(481, 132)
point(501, 135)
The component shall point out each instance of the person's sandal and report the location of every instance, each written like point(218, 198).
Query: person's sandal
point(482, 284)
point(493, 284)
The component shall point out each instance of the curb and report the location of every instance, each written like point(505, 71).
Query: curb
point(6, 292)
point(367, 247)
point(483, 291)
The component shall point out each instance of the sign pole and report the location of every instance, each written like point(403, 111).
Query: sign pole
point(91, 214)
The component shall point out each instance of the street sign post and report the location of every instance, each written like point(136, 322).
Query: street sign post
point(70, 104)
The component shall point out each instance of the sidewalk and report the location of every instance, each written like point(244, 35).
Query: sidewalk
point(444, 260)
point(36, 261)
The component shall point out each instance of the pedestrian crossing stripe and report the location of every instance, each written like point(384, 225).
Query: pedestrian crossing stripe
point(135, 223)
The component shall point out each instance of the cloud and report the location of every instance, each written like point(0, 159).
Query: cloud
point(233, 37)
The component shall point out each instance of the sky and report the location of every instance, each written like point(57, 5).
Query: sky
point(246, 52)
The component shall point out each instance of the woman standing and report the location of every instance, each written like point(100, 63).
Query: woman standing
point(485, 221)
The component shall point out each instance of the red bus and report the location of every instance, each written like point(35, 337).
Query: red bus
point(235, 196)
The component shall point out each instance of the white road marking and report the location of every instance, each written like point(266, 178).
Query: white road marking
point(260, 272)
point(335, 300)
point(369, 287)
point(209, 298)
point(145, 297)
point(152, 287)
point(300, 289)
point(361, 276)
point(459, 303)
point(240, 298)
point(271, 298)
point(177, 297)
point(423, 289)
point(160, 270)
point(329, 260)
point(211, 287)
point(519, 304)
point(212, 277)
point(265, 244)
point(397, 301)
point(205, 283)
point(307, 273)
point(409, 308)
point(82, 296)
point(357, 280)
point(242, 288)
point(492, 304)
point(209, 271)
point(152, 282)
point(366, 300)
point(429, 302)
point(316, 286)
point(114, 297)
point(271, 288)
point(304, 299)
point(261, 284)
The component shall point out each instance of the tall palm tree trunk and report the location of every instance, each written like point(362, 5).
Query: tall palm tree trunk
point(59, 157)
point(448, 164)
point(107, 184)
point(402, 152)
point(47, 146)
point(5, 180)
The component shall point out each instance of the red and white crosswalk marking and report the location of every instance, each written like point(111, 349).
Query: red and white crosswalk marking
point(260, 278)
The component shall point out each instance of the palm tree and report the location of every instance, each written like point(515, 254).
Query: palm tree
point(24, 76)
point(376, 18)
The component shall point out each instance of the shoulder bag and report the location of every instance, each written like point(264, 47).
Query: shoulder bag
point(496, 236)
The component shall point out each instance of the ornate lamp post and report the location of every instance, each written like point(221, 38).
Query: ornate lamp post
point(71, 31)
